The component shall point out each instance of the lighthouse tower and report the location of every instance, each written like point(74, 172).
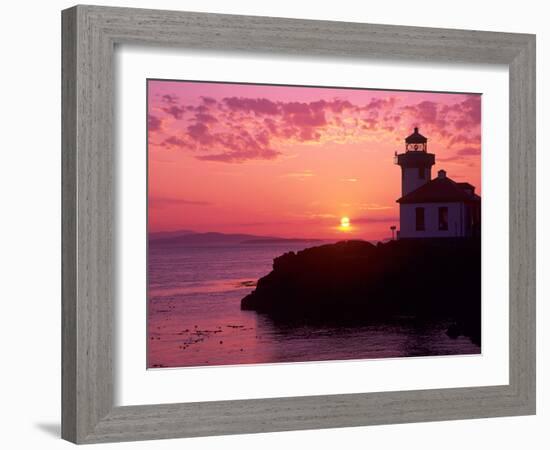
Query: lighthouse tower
point(416, 163)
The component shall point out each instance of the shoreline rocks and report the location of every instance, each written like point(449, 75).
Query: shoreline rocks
point(357, 282)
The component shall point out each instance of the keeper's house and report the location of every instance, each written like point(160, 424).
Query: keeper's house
point(433, 208)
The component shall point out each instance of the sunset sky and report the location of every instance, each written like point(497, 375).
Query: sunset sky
point(293, 161)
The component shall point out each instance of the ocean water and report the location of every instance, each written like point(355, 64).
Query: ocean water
point(194, 316)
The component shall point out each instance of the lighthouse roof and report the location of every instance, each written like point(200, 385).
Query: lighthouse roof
point(441, 189)
point(416, 138)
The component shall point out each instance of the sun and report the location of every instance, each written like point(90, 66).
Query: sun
point(344, 223)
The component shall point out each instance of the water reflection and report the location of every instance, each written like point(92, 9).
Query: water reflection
point(194, 319)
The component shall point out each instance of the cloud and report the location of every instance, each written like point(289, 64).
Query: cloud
point(242, 146)
point(153, 123)
point(175, 111)
point(240, 156)
point(369, 124)
point(199, 132)
point(174, 141)
point(367, 220)
point(237, 129)
point(469, 151)
point(205, 118)
point(462, 154)
point(323, 216)
point(258, 106)
point(333, 219)
point(164, 202)
point(425, 113)
point(374, 207)
point(208, 100)
point(465, 115)
point(379, 103)
point(456, 123)
point(336, 105)
point(325, 219)
point(302, 121)
point(168, 98)
point(471, 112)
point(299, 175)
point(465, 139)
point(234, 146)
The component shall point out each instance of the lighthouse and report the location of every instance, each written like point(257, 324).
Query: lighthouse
point(438, 208)
point(416, 163)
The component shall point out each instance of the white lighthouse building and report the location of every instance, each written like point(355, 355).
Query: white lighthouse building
point(433, 208)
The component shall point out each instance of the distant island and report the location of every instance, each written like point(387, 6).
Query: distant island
point(359, 282)
point(188, 237)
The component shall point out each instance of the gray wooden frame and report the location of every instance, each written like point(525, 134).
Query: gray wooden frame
point(89, 37)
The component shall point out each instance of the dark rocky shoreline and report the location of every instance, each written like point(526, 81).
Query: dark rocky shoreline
point(359, 282)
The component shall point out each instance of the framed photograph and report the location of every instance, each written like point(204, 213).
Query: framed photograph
point(277, 224)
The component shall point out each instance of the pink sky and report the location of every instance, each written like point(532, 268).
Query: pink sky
point(292, 161)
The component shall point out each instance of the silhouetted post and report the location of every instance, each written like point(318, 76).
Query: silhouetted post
point(392, 228)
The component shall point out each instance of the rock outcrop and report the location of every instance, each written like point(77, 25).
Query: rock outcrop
point(358, 282)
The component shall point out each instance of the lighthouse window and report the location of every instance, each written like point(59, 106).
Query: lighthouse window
point(421, 173)
point(420, 226)
point(443, 214)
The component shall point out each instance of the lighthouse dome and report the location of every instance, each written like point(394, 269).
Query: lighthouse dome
point(416, 138)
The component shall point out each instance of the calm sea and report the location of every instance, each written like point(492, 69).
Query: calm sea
point(194, 316)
